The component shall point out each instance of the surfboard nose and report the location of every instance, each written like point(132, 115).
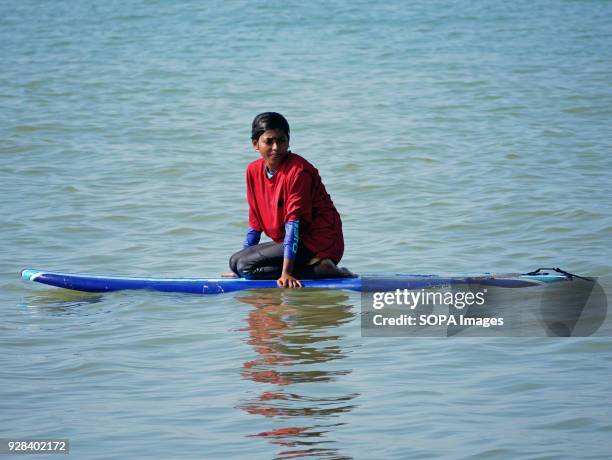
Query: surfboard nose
point(29, 274)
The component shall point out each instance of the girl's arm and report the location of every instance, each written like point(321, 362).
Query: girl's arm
point(291, 244)
point(298, 206)
point(252, 238)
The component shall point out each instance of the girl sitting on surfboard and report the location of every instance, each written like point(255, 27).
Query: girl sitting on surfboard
point(289, 203)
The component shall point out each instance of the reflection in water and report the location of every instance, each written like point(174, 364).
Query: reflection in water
point(302, 442)
point(58, 302)
point(294, 334)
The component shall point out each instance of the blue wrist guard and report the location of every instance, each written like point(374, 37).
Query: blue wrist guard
point(291, 241)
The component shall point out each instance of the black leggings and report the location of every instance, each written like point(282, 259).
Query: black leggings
point(265, 261)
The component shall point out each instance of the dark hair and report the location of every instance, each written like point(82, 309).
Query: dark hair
point(268, 120)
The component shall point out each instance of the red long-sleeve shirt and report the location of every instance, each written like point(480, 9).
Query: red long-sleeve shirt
point(294, 192)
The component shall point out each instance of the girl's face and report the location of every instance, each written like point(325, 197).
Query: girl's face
point(273, 147)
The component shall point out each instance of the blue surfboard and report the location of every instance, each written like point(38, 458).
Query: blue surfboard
point(363, 283)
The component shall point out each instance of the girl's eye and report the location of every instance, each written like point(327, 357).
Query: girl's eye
point(270, 141)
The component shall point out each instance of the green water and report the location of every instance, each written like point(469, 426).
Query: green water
point(452, 136)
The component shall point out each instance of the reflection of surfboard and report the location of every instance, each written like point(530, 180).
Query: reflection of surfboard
point(382, 282)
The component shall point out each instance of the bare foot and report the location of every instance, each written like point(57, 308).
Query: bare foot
point(347, 273)
point(229, 275)
point(328, 269)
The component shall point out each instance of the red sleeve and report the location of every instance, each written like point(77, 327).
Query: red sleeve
point(299, 197)
point(253, 217)
point(253, 221)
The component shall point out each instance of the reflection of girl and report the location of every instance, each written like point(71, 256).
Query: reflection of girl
point(289, 203)
point(297, 344)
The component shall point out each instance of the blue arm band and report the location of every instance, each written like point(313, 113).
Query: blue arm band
point(252, 238)
point(292, 237)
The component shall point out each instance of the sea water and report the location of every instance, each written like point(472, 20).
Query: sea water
point(452, 136)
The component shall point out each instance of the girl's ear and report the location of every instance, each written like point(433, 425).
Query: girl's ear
point(254, 141)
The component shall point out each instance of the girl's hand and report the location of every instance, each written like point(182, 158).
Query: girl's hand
point(288, 281)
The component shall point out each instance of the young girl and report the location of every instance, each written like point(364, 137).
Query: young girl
point(289, 203)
